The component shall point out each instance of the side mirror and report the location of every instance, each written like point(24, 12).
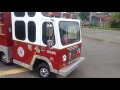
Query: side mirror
point(50, 30)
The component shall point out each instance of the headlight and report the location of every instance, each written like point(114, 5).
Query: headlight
point(64, 58)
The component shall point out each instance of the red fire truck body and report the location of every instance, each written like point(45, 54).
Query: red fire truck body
point(42, 40)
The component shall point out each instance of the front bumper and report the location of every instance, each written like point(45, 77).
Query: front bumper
point(68, 69)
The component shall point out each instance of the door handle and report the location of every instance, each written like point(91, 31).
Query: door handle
point(16, 42)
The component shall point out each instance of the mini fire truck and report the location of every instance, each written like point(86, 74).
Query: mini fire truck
point(48, 42)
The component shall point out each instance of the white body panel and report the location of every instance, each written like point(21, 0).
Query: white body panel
point(39, 19)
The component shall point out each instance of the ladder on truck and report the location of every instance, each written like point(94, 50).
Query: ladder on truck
point(1, 25)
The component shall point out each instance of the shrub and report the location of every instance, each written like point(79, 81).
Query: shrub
point(115, 24)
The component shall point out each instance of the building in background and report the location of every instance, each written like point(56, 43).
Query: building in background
point(100, 20)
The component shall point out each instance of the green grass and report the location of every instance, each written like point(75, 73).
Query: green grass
point(105, 28)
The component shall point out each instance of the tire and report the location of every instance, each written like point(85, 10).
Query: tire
point(4, 59)
point(44, 71)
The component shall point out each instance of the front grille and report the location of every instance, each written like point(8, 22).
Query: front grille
point(73, 53)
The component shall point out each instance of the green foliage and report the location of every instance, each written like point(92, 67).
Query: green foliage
point(115, 22)
point(84, 15)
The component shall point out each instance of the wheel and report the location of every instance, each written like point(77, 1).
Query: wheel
point(44, 71)
point(4, 58)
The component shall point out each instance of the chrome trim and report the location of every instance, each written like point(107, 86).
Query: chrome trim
point(45, 59)
point(64, 71)
point(22, 64)
point(8, 52)
point(72, 61)
point(69, 68)
point(32, 62)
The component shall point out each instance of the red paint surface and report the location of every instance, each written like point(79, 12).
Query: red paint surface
point(16, 45)
point(57, 60)
point(65, 52)
point(6, 40)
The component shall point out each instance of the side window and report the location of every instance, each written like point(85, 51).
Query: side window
point(31, 31)
point(45, 33)
point(19, 14)
point(31, 14)
point(20, 30)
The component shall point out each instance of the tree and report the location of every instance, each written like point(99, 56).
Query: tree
point(84, 16)
point(115, 20)
point(115, 16)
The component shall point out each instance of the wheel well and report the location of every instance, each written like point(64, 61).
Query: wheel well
point(37, 62)
point(1, 54)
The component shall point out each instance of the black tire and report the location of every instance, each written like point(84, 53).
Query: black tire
point(44, 71)
point(3, 59)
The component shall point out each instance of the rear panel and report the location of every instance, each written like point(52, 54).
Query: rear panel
point(6, 30)
point(6, 42)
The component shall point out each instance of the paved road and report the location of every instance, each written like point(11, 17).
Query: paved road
point(102, 57)
point(109, 36)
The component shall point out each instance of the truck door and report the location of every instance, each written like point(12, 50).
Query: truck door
point(19, 36)
point(19, 46)
point(25, 36)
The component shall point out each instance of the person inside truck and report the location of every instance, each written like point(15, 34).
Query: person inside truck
point(64, 39)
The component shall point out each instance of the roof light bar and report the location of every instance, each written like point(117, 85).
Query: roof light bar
point(60, 14)
point(54, 14)
point(67, 15)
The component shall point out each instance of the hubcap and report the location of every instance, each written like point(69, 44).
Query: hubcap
point(44, 72)
point(4, 58)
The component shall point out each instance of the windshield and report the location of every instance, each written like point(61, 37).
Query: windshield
point(69, 32)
